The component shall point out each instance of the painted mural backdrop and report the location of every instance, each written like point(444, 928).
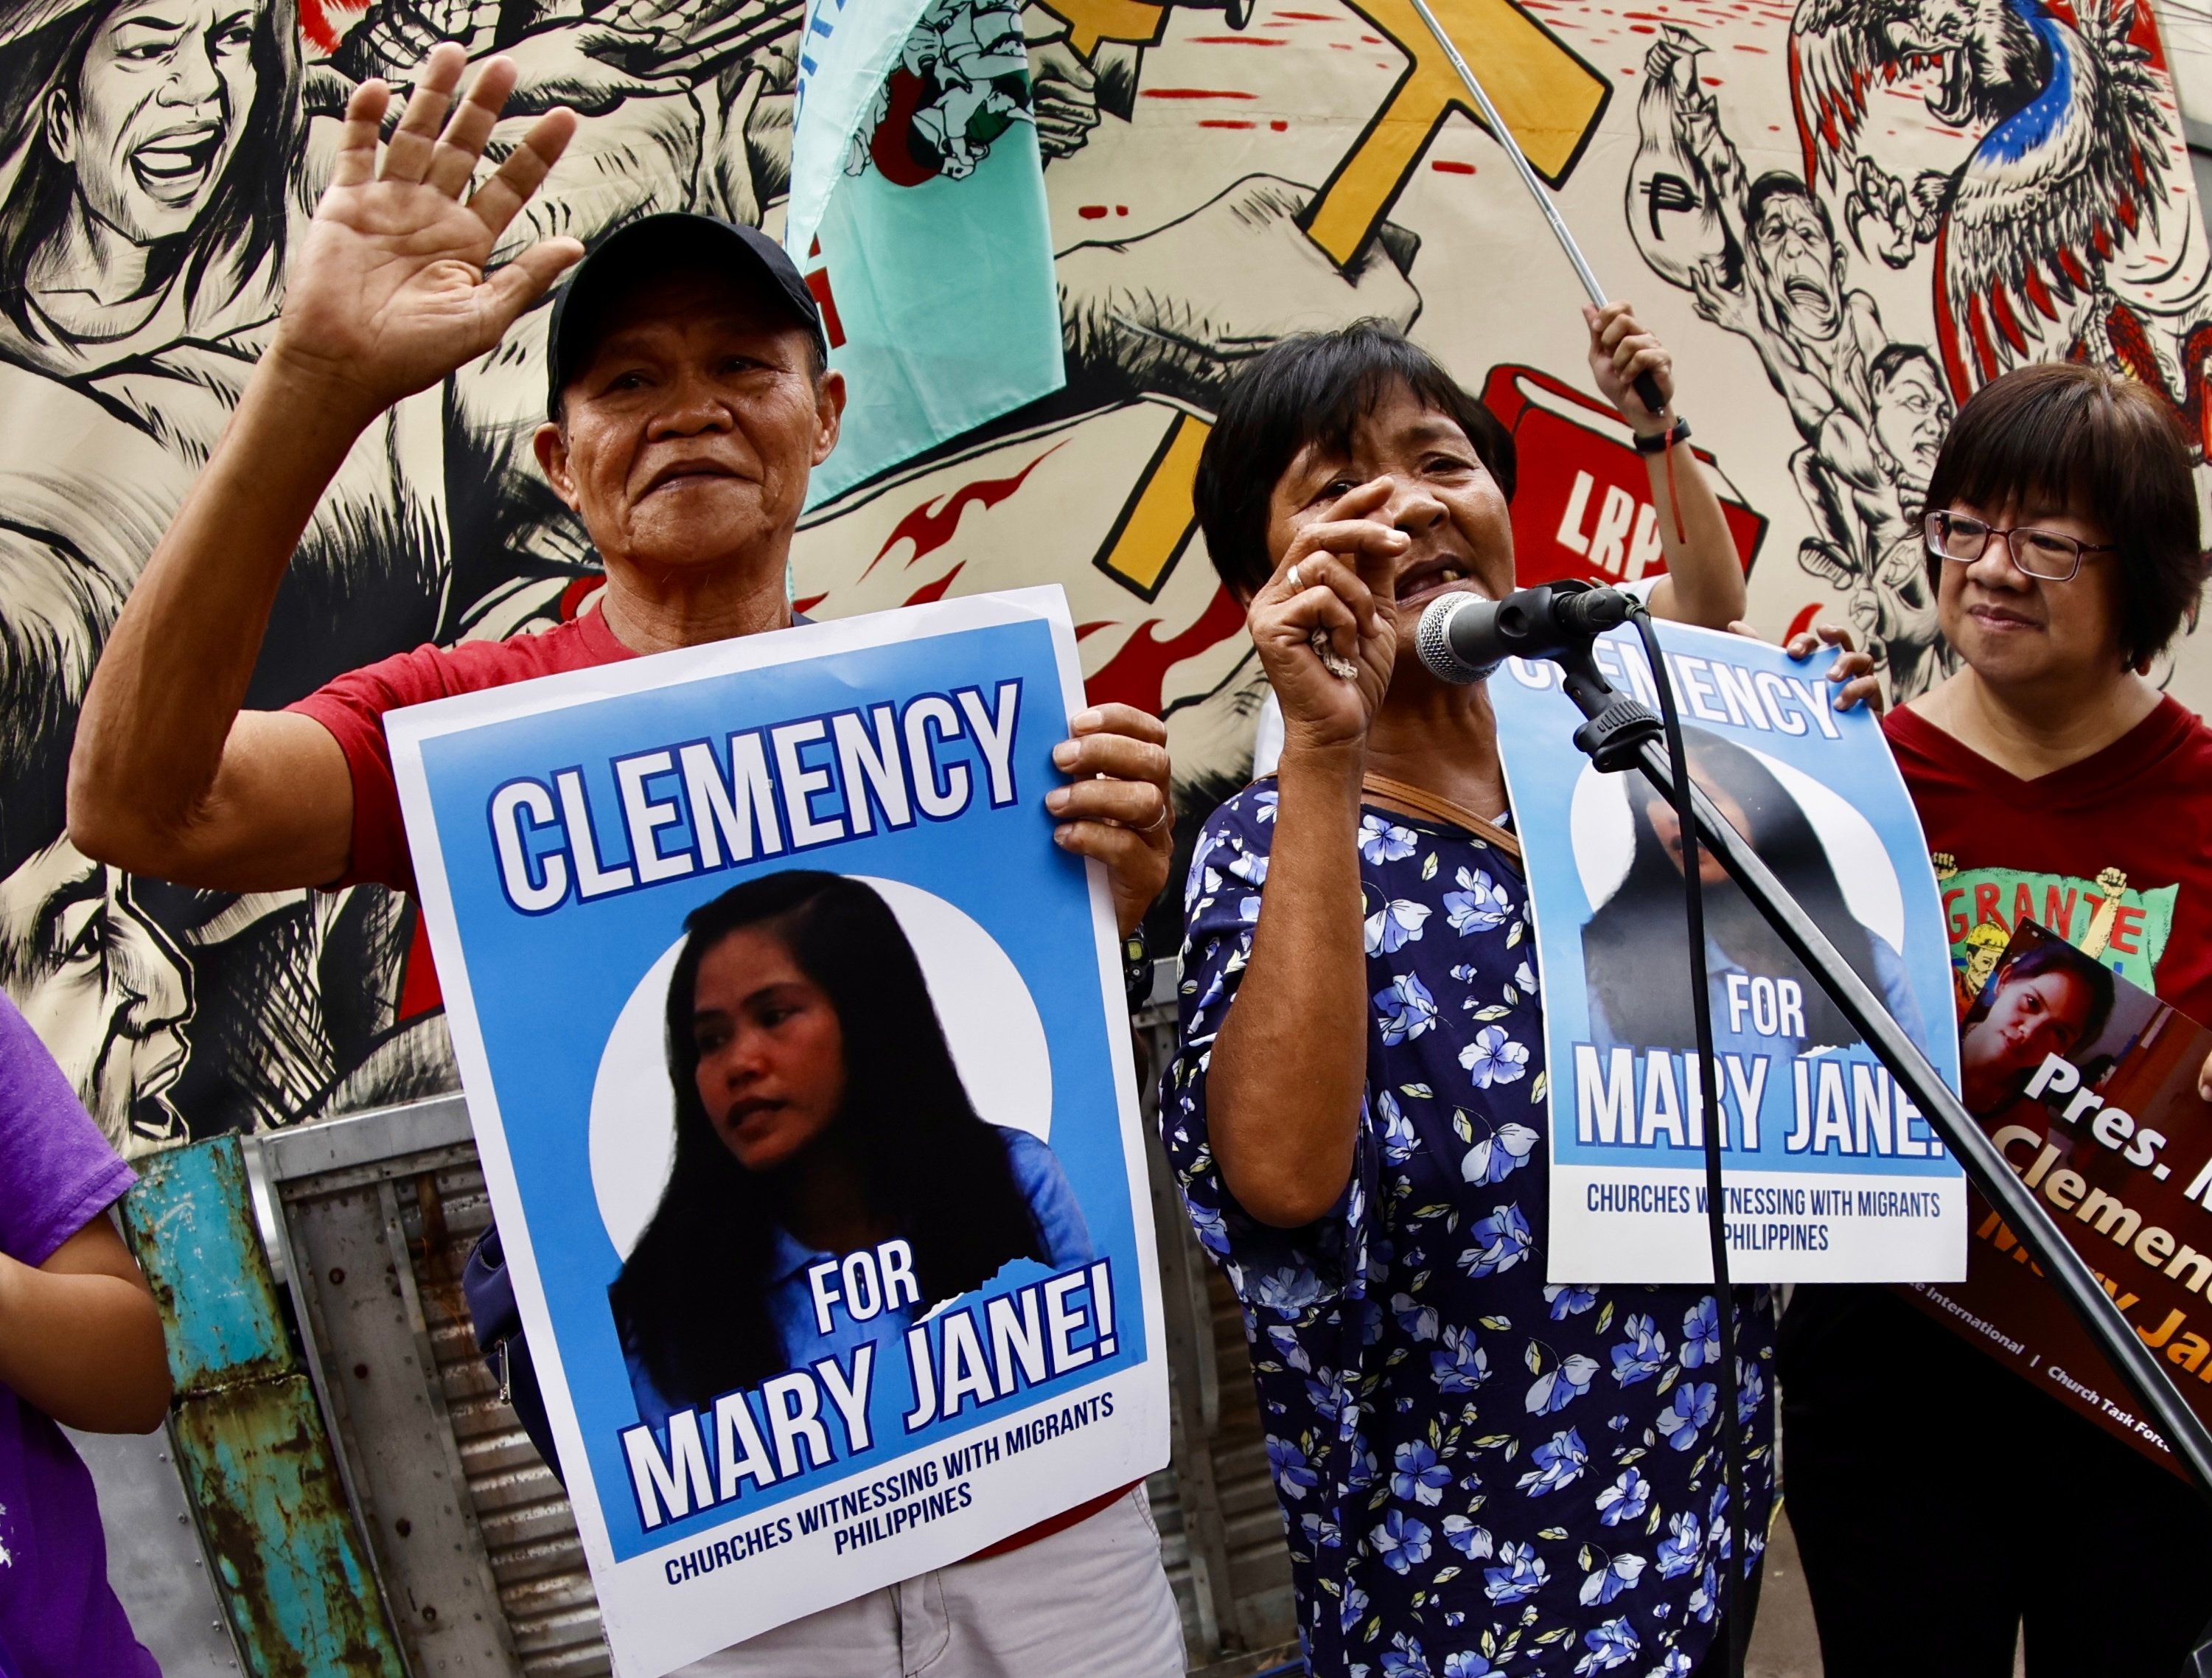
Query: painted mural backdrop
point(1842, 214)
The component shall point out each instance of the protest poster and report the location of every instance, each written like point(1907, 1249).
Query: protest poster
point(2087, 1084)
point(756, 1422)
point(1832, 1173)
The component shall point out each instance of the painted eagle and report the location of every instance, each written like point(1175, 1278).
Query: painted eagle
point(2069, 169)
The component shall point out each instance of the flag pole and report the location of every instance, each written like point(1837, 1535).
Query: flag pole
point(1647, 387)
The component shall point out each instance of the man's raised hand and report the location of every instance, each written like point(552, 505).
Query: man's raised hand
point(388, 294)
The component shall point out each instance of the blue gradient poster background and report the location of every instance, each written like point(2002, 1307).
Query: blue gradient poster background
point(1832, 1174)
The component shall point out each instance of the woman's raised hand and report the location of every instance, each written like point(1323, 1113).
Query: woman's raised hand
point(1331, 579)
point(1620, 352)
point(388, 294)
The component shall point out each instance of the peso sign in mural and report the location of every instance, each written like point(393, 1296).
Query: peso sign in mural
point(1842, 216)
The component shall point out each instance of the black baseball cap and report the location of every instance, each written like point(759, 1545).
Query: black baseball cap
point(678, 239)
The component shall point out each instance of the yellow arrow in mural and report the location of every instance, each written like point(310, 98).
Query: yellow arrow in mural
point(1549, 98)
point(1090, 21)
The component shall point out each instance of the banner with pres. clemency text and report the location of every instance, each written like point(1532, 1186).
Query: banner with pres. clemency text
point(796, 1056)
point(2088, 1085)
point(1832, 1174)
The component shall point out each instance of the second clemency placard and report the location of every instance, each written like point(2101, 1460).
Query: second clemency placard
point(1832, 1173)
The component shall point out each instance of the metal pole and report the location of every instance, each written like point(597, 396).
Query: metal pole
point(1647, 387)
point(1529, 178)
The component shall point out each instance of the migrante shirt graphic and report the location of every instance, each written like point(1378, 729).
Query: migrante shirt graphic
point(2106, 852)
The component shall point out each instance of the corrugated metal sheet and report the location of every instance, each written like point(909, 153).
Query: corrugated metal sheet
point(1251, 1516)
point(1235, 1582)
point(529, 1533)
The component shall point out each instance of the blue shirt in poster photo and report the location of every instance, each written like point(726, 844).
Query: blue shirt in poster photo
point(578, 842)
point(1617, 949)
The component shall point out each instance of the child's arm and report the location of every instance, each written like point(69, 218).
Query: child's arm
point(1704, 582)
point(80, 1338)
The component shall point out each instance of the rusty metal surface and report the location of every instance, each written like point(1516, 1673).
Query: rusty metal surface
point(372, 1139)
point(191, 1222)
point(288, 1562)
point(390, 1424)
point(252, 1454)
point(380, 1237)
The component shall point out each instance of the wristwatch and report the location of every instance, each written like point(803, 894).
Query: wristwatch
point(1137, 969)
point(1659, 445)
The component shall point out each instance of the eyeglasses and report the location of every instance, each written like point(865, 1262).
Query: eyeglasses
point(2047, 554)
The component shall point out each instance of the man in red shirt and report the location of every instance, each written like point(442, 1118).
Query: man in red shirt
point(689, 401)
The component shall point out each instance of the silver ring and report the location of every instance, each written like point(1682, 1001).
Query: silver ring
point(1291, 577)
point(1167, 812)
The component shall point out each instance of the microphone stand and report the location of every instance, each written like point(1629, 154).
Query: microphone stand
point(1621, 733)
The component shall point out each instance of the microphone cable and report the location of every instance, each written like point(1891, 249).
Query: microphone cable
point(1701, 1012)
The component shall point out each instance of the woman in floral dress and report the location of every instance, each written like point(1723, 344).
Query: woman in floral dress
point(1481, 1471)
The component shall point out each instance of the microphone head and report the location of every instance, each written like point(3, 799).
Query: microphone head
point(1434, 640)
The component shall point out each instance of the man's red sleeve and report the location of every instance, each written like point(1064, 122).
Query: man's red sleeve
point(352, 708)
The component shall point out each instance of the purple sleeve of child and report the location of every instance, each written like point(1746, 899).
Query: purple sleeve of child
point(57, 1171)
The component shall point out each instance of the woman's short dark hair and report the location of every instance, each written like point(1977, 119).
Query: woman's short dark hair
point(2101, 447)
point(2053, 955)
point(692, 1300)
point(1315, 388)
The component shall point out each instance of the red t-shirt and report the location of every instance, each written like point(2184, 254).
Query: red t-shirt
point(352, 706)
point(2007, 849)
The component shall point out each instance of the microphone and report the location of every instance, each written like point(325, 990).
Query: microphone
point(1463, 637)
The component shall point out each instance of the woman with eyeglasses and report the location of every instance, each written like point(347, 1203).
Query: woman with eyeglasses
point(1940, 1500)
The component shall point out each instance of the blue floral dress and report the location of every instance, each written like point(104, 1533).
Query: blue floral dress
point(1480, 1473)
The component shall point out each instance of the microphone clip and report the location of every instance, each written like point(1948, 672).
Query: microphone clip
point(1617, 726)
point(1613, 738)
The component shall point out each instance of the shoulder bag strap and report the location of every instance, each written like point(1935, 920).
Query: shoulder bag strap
point(1443, 810)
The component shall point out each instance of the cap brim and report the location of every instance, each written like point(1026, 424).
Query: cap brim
point(658, 244)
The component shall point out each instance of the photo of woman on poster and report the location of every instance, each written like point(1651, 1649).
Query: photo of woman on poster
point(818, 1113)
point(1637, 934)
point(2045, 999)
